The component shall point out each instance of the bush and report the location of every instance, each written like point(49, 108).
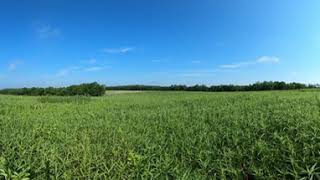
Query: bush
point(86, 89)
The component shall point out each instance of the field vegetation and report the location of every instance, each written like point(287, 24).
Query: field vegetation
point(162, 135)
point(85, 89)
point(258, 86)
point(95, 89)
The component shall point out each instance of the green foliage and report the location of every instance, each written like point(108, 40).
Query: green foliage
point(259, 86)
point(86, 89)
point(162, 135)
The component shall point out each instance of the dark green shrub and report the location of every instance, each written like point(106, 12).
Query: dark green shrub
point(86, 89)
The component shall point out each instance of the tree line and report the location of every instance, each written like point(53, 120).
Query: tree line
point(259, 86)
point(85, 89)
point(95, 89)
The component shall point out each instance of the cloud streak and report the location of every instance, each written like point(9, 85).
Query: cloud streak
point(14, 65)
point(268, 59)
point(92, 61)
point(62, 72)
point(92, 69)
point(192, 75)
point(237, 65)
point(118, 50)
point(47, 31)
point(195, 62)
point(156, 61)
point(76, 69)
point(260, 60)
point(66, 71)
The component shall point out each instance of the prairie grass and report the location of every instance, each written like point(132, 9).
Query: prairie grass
point(61, 99)
point(116, 92)
point(162, 135)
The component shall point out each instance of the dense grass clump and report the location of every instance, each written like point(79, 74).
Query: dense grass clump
point(162, 135)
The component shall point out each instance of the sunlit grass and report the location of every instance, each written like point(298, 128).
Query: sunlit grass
point(116, 92)
point(162, 135)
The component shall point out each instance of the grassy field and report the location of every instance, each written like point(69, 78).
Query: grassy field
point(162, 135)
point(115, 92)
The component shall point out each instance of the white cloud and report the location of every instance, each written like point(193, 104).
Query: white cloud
point(74, 69)
point(160, 60)
point(13, 66)
point(118, 50)
point(156, 60)
point(230, 66)
point(67, 71)
point(195, 62)
point(90, 61)
point(62, 72)
point(268, 59)
point(192, 74)
point(260, 60)
point(236, 65)
point(47, 31)
point(96, 68)
point(90, 65)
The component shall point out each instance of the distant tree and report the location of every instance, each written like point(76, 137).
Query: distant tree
point(87, 89)
point(258, 86)
point(95, 89)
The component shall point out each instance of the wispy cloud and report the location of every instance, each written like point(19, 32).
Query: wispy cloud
point(230, 66)
point(78, 69)
point(13, 65)
point(260, 60)
point(47, 31)
point(190, 75)
point(62, 72)
point(118, 50)
point(67, 71)
point(160, 60)
point(90, 61)
point(237, 65)
point(156, 60)
point(198, 73)
point(195, 62)
point(95, 68)
point(268, 59)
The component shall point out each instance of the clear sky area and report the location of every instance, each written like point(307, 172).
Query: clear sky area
point(151, 42)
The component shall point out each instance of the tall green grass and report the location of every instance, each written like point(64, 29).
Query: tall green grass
point(61, 99)
point(162, 135)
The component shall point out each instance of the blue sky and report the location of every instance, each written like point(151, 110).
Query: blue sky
point(117, 42)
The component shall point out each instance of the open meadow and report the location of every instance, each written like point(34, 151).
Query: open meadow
point(162, 135)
